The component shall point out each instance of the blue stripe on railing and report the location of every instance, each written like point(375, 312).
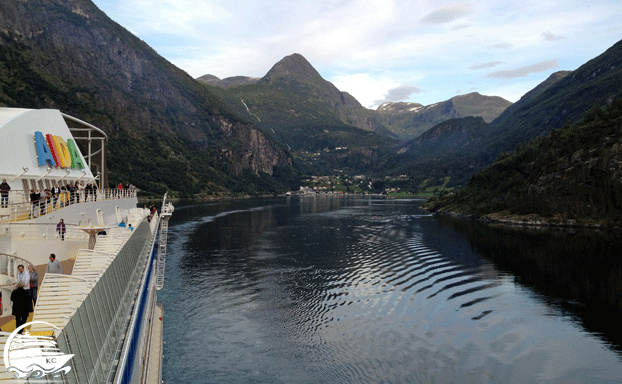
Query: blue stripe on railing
point(135, 336)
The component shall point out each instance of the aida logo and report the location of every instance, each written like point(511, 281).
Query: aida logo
point(57, 152)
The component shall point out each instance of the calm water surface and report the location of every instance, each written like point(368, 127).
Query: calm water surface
point(359, 290)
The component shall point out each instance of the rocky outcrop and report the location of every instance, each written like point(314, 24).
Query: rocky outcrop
point(256, 153)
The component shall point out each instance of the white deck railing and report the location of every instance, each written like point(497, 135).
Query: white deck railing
point(43, 231)
point(21, 208)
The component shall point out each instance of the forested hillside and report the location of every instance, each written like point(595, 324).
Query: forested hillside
point(572, 176)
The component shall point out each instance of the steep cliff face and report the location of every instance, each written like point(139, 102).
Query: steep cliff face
point(67, 54)
point(258, 153)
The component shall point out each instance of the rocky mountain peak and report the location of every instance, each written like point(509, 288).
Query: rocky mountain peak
point(399, 107)
point(293, 67)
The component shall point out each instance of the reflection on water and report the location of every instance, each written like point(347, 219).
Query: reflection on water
point(577, 271)
point(324, 290)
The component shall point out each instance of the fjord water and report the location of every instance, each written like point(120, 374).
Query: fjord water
point(372, 290)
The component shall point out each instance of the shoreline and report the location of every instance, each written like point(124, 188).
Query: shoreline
point(532, 221)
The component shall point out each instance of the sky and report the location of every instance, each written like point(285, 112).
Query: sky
point(419, 51)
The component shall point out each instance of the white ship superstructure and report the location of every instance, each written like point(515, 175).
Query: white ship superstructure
point(104, 313)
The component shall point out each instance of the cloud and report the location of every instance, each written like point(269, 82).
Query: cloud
point(448, 13)
point(489, 64)
point(462, 26)
point(548, 36)
point(501, 46)
point(403, 92)
point(524, 71)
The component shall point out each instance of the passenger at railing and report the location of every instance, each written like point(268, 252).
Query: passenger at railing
point(122, 224)
point(54, 266)
point(23, 276)
point(80, 190)
point(4, 192)
point(45, 199)
point(22, 305)
point(34, 200)
point(61, 229)
point(55, 193)
point(87, 192)
point(70, 189)
point(34, 284)
point(120, 189)
point(64, 198)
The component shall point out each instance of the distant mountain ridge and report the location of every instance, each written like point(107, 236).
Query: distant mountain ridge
point(562, 98)
point(409, 120)
point(395, 120)
point(227, 81)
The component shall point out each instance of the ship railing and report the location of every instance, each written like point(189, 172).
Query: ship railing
point(95, 330)
point(44, 231)
point(9, 264)
point(21, 208)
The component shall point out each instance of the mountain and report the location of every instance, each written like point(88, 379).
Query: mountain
point(324, 128)
point(450, 134)
point(409, 120)
point(561, 99)
point(310, 116)
point(227, 81)
point(565, 96)
point(570, 177)
point(166, 130)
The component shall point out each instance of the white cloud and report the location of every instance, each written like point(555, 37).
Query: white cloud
point(370, 90)
point(542, 66)
point(489, 64)
point(369, 47)
point(448, 13)
point(401, 93)
point(548, 36)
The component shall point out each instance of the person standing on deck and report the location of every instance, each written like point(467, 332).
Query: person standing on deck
point(4, 191)
point(54, 266)
point(34, 200)
point(61, 229)
point(21, 305)
point(34, 284)
point(55, 194)
point(23, 276)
